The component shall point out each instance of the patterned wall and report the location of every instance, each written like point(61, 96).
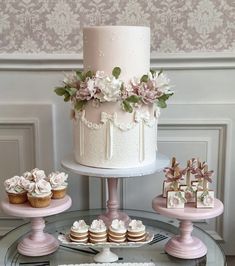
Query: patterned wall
point(177, 26)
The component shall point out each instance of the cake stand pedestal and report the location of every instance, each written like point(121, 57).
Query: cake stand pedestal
point(184, 245)
point(112, 176)
point(37, 243)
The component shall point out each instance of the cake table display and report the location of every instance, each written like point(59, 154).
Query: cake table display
point(112, 176)
point(37, 243)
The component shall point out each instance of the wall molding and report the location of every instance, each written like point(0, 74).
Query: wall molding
point(74, 61)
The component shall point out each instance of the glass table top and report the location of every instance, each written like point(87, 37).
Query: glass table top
point(162, 228)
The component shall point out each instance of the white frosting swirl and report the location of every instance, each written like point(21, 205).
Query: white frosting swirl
point(38, 174)
point(41, 188)
point(136, 225)
point(28, 175)
point(80, 226)
point(98, 226)
point(14, 185)
point(118, 226)
point(57, 179)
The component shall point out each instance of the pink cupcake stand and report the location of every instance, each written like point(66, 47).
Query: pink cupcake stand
point(37, 243)
point(112, 176)
point(185, 245)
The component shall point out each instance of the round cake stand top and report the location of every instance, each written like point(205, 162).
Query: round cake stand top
point(69, 164)
point(26, 211)
point(190, 212)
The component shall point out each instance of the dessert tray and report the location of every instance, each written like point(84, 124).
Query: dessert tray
point(105, 255)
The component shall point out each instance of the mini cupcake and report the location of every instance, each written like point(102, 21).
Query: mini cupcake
point(16, 189)
point(58, 184)
point(136, 231)
point(79, 232)
point(97, 232)
point(117, 231)
point(40, 194)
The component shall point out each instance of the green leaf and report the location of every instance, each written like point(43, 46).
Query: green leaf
point(81, 75)
point(161, 103)
point(66, 96)
point(144, 78)
point(116, 72)
point(71, 91)
point(160, 72)
point(133, 99)
point(60, 91)
point(152, 71)
point(122, 87)
point(127, 106)
point(89, 74)
point(79, 105)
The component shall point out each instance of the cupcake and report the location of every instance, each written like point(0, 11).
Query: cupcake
point(58, 184)
point(136, 231)
point(97, 232)
point(117, 231)
point(40, 194)
point(79, 232)
point(16, 189)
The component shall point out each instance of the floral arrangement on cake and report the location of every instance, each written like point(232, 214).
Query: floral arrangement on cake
point(80, 87)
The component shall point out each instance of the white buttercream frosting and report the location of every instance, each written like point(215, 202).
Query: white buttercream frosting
point(136, 225)
point(38, 174)
point(41, 188)
point(57, 180)
point(14, 184)
point(97, 226)
point(80, 226)
point(28, 175)
point(118, 226)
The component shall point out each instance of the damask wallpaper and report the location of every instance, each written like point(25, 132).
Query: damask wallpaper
point(177, 26)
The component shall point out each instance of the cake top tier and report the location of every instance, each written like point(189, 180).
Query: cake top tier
point(127, 47)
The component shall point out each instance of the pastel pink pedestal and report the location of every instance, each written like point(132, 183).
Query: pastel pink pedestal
point(37, 243)
point(113, 205)
point(185, 245)
point(113, 175)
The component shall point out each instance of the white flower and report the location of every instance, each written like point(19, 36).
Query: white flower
point(118, 224)
point(42, 187)
point(160, 81)
point(26, 184)
point(38, 174)
point(208, 200)
point(100, 74)
point(109, 89)
point(80, 225)
point(11, 183)
point(28, 175)
point(57, 179)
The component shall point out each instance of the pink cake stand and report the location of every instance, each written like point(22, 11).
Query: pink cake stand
point(37, 243)
point(186, 246)
point(112, 176)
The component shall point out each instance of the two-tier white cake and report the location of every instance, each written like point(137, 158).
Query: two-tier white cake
point(116, 115)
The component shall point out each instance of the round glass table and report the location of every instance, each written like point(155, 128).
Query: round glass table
point(163, 229)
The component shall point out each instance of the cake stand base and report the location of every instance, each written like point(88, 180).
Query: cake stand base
point(194, 249)
point(105, 256)
point(31, 247)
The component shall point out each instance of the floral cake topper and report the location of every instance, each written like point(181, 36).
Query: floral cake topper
point(80, 87)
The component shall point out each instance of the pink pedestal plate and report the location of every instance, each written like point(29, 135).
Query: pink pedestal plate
point(185, 245)
point(112, 176)
point(37, 243)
